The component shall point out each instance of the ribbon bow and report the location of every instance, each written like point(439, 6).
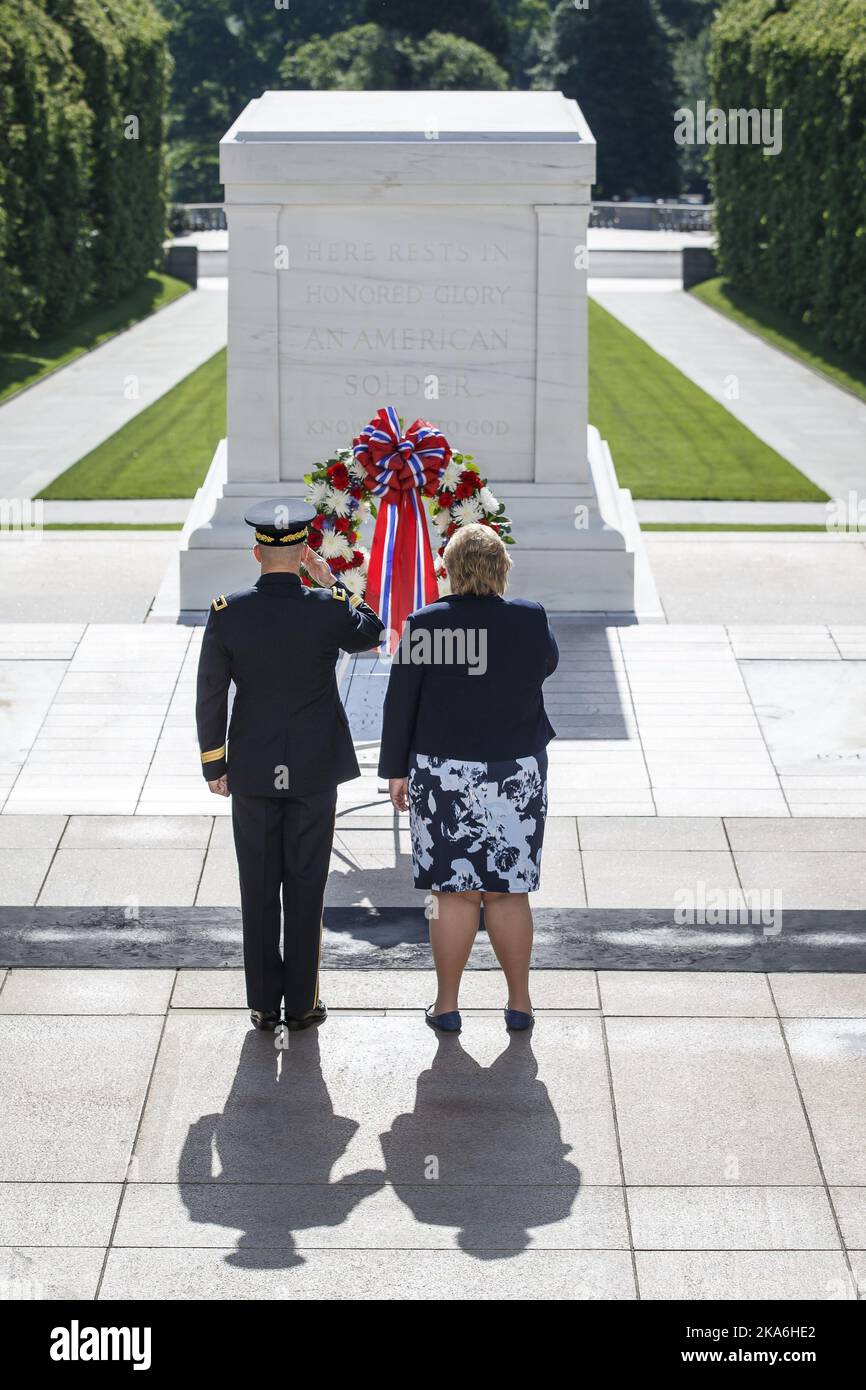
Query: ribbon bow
point(401, 575)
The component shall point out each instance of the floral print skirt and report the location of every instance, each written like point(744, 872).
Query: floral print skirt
point(477, 825)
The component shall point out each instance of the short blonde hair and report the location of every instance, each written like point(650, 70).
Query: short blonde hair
point(477, 561)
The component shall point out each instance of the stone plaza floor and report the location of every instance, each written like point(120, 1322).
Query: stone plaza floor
point(661, 720)
point(685, 1121)
point(658, 1136)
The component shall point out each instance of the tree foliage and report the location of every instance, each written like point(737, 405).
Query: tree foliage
point(82, 212)
point(370, 57)
point(613, 58)
point(792, 227)
point(483, 22)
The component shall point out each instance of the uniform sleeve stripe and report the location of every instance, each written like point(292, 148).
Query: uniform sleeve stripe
point(214, 755)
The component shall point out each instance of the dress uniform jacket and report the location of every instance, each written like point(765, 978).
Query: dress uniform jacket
point(288, 748)
point(279, 642)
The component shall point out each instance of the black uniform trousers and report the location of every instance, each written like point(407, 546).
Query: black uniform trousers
point(283, 846)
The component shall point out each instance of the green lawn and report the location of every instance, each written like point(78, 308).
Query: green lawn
point(668, 437)
point(163, 452)
point(791, 337)
point(26, 361)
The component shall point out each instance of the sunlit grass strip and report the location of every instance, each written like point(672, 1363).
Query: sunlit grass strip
point(163, 452)
point(669, 439)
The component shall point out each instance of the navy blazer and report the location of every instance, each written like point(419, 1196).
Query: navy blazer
point(466, 683)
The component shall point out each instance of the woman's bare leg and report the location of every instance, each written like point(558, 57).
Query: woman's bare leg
point(452, 932)
point(508, 920)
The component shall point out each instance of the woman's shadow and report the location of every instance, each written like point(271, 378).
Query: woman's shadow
point(481, 1151)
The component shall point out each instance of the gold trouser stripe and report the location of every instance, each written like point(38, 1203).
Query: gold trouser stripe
point(322, 925)
point(319, 961)
point(214, 755)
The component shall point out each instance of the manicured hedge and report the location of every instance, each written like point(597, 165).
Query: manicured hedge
point(82, 206)
point(792, 228)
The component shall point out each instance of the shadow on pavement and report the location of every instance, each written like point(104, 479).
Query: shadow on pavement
point(480, 1153)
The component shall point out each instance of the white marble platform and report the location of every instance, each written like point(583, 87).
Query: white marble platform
point(664, 720)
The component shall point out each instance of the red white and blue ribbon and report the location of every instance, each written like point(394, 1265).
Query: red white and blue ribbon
point(401, 467)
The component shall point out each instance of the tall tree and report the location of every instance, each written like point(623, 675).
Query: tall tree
point(688, 17)
point(372, 58)
point(482, 21)
point(613, 58)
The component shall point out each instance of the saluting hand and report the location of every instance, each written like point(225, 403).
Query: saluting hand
point(316, 567)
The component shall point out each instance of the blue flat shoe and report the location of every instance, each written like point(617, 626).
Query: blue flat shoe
point(446, 1023)
point(518, 1022)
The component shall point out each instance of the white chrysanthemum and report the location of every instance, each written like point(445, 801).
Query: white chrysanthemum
point(467, 511)
point(334, 544)
point(442, 520)
point(488, 501)
point(357, 472)
point(318, 494)
point(340, 503)
point(451, 476)
point(355, 580)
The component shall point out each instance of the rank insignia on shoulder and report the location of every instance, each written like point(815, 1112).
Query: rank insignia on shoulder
point(355, 600)
point(219, 603)
point(337, 591)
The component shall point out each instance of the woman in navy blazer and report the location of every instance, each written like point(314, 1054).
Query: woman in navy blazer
point(464, 742)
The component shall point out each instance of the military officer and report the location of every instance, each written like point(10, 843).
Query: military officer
point(288, 748)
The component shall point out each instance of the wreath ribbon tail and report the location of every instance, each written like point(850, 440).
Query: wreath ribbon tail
point(401, 575)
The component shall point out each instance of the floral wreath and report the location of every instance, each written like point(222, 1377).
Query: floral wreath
point(388, 469)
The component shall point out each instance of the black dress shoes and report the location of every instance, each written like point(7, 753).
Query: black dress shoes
point(316, 1015)
point(265, 1022)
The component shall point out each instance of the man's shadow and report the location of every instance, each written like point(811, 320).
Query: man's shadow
point(481, 1151)
point(273, 1148)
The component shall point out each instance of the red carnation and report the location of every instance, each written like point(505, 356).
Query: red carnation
point(339, 476)
point(314, 539)
point(318, 521)
point(338, 564)
point(357, 558)
point(341, 523)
